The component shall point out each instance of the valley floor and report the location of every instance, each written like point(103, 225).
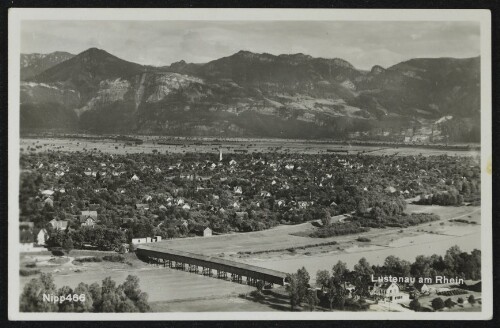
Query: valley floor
point(202, 145)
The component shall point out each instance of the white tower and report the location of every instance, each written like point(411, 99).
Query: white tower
point(220, 155)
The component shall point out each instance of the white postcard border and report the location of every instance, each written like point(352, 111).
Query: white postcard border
point(16, 15)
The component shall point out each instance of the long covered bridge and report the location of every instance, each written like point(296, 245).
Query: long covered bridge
point(210, 265)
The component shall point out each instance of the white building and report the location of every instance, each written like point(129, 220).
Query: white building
point(41, 237)
point(389, 292)
point(207, 232)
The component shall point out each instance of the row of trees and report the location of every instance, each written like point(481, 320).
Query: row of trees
point(341, 284)
point(107, 297)
point(103, 238)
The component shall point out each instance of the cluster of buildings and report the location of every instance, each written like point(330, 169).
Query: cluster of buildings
point(31, 237)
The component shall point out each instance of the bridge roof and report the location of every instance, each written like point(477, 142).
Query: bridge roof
point(213, 259)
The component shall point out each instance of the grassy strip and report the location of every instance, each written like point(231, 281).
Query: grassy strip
point(107, 258)
point(290, 249)
point(463, 221)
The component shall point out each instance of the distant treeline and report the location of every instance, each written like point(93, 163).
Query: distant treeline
point(82, 136)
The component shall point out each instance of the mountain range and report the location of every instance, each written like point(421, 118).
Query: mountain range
point(249, 94)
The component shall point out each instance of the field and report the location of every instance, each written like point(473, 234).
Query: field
point(174, 285)
point(224, 304)
point(201, 145)
point(280, 249)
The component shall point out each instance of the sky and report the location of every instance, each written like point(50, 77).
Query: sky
point(363, 44)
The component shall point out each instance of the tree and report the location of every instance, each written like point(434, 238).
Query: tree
point(471, 300)
point(312, 299)
point(397, 267)
point(325, 217)
point(362, 277)
point(339, 271)
point(96, 293)
point(67, 245)
point(415, 305)
point(460, 300)
point(304, 278)
point(110, 297)
point(87, 305)
point(293, 290)
point(132, 291)
point(437, 303)
point(331, 291)
point(66, 306)
point(322, 278)
point(421, 267)
point(449, 303)
point(31, 299)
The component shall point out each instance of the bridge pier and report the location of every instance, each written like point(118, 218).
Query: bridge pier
point(221, 274)
point(236, 278)
point(207, 272)
point(207, 266)
point(193, 268)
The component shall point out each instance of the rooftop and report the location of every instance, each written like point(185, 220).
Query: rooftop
point(157, 247)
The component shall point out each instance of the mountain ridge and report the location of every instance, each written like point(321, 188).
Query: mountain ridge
point(34, 63)
point(242, 93)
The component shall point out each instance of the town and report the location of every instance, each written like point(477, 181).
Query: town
point(77, 202)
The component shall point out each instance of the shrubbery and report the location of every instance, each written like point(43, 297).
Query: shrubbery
point(338, 229)
point(114, 258)
point(401, 220)
point(25, 273)
point(89, 259)
point(108, 258)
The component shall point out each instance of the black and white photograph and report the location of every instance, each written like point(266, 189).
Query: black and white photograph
point(249, 164)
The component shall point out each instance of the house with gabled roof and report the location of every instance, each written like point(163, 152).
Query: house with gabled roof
point(49, 201)
point(92, 214)
point(41, 237)
point(207, 232)
point(88, 218)
point(388, 292)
